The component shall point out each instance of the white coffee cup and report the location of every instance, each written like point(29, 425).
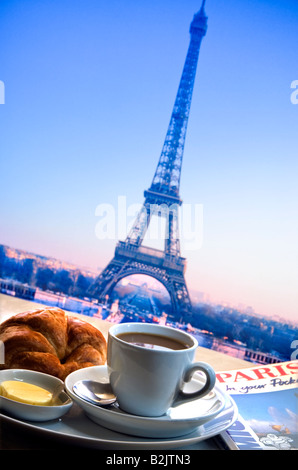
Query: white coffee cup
point(147, 381)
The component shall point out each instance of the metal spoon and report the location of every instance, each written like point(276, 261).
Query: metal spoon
point(97, 393)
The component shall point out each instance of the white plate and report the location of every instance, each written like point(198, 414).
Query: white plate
point(77, 429)
point(180, 420)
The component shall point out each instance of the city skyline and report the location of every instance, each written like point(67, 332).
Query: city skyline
point(89, 89)
point(151, 285)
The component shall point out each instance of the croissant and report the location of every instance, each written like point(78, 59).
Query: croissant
point(47, 340)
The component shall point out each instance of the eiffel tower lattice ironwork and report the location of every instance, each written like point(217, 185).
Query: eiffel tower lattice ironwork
point(161, 199)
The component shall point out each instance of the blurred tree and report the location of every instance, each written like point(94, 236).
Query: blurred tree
point(63, 282)
point(81, 285)
point(2, 260)
point(25, 271)
point(44, 277)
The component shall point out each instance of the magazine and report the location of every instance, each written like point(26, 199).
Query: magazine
point(267, 401)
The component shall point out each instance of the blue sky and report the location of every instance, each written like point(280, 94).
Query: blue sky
point(269, 409)
point(89, 89)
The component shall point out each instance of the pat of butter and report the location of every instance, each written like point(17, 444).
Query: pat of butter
point(25, 393)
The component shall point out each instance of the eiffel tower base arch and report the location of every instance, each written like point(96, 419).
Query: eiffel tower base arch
point(129, 259)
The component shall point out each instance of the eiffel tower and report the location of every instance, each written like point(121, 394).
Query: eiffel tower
point(161, 199)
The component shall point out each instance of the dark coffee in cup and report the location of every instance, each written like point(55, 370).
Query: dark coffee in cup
point(152, 341)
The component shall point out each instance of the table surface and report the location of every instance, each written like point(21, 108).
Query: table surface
point(13, 438)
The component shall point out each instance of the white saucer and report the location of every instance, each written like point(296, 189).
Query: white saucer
point(180, 420)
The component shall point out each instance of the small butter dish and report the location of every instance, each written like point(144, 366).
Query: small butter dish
point(61, 401)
